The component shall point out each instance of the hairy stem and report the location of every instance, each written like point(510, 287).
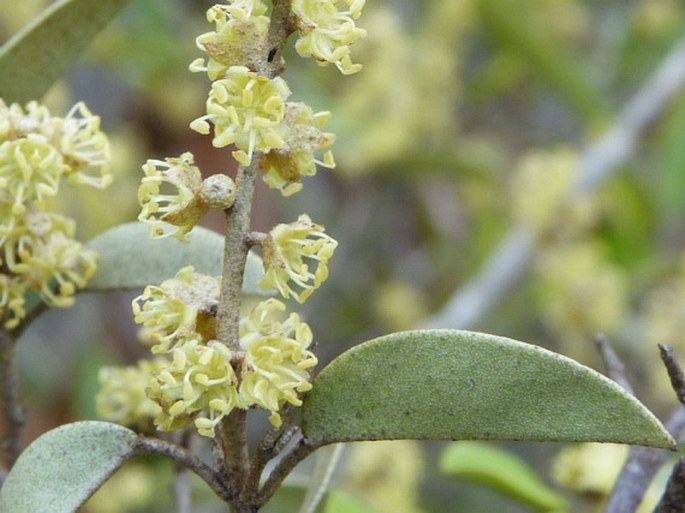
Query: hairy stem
point(12, 411)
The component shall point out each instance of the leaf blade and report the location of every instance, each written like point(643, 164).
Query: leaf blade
point(129, 259)
point(459, 385)
point(34, 58)
point(61, 469)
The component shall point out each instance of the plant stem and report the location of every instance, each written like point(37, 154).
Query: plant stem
point(10, 406)
point(145, 445)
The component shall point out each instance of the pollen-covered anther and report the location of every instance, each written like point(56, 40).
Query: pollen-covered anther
point(218, 191)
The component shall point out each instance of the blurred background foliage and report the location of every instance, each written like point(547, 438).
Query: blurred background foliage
point(468, 118)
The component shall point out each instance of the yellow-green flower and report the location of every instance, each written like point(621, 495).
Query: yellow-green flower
point(16, 122)
point(122, 397)
point(296, 258)
point(285, 167)
point(169, 196)
point(239, 38)
point(246, 109)
point(180, 309)
point(41, 252)
point(13, 292)
point(85, 148)
point(198, 384)
point(327, 33)
point(277, 359)
point(30, 170)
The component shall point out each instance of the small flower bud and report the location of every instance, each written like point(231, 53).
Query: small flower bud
point(218, 191)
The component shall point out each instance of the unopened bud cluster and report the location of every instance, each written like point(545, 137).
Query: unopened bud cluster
point(37, 250)
point(201, 379)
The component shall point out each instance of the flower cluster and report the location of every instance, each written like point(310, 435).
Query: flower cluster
point(173, 197)
point(38, 252)
point(327, 33)
point(200, 379)
point(198, 382)
point(287, 248)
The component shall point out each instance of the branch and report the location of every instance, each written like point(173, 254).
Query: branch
point(643, 463)
point(12, 411)
point(510, 260)
point(612, 363)
point(145, 445)
point(674, 496)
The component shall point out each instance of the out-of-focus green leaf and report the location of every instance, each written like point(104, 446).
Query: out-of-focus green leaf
point(39, 54)
point(60, 470)
point(129, 259)
point(516, 28)
point(459, 385)
point(341, 502)
point(501, 471)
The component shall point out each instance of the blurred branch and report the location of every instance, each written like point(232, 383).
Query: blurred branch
point(11, 409)
point(612, 363)
point(643, 463)
point(510, 260)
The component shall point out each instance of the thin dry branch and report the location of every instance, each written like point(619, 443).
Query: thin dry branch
point(510, 260)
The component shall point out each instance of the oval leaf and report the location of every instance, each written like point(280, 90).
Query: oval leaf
point(129, 259)
point(501, 471)
point(41, 52)
point(457, 385)
point(60, 470)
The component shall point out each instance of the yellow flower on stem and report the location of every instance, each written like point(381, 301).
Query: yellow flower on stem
point(239, 38)
point(180, 309)
point(327, 33)
point(198, 384)
point(296, 258)
point(277, 359)
point(246, 109)
point(285, 167)
point(85, 148)
point(169, 196)
point(122, 398)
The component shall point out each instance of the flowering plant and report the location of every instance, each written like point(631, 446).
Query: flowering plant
point(224, 346)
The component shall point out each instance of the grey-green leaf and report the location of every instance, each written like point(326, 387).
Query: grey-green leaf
point(60, 470)
point(458, 385)
point(501, 471)
point(129, 259)
point(39, 54)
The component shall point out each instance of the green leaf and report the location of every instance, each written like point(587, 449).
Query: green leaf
point(458, 385)
point(129, 259)
point(501, 471)
point(41, 52)
point(341, 502)
point(60, 470)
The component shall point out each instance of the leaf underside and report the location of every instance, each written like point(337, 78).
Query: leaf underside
point(60, 470)
point(129, 259)
point(459, 385)
point(39, 54)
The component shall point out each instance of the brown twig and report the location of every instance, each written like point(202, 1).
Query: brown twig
point(673, 499)
point(612, 363)
point(146, 445)
point(675, 372)
point(643, 463)
point(299, 452)
point(11, 408)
